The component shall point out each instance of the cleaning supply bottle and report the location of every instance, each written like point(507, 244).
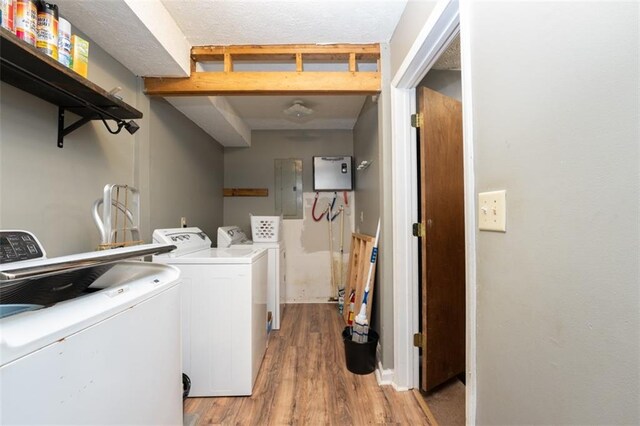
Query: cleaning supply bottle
point(47, 29)
point(352, 308)
point(26, 20)
point(8, 9)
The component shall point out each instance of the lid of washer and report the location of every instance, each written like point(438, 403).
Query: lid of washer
point(220, 256)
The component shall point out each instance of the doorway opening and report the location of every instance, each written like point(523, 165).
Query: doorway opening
point(442, 27)
point(441, 246)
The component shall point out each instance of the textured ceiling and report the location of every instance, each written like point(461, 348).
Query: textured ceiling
point(329, 112)
point(153, 38)
point(227, 22)
point(143, 38)
point(450, 58)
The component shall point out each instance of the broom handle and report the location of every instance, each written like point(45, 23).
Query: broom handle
point(374, 254)
point(334, 291)
point(341, 280)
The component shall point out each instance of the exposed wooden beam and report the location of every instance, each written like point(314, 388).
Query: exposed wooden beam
point(313, 51)
point(230, 82)
point(265, 83)
point(299, 62)
point(228, 64)
point(246, 192)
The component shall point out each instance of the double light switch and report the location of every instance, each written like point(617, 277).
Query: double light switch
point(492, 213)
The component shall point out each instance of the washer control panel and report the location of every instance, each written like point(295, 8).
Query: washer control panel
point(186, 240)
point(16, 246)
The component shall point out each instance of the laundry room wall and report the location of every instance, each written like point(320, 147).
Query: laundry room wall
point(50, 191)
point(185, 177)
point(306, 241)
point(368, 193)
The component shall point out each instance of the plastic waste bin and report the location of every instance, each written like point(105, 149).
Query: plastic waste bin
point(360, 357)
point(186, 386)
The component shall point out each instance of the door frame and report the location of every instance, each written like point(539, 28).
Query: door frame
point(442, 26)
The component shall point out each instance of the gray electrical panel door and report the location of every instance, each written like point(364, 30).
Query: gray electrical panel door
point(332, 174)
point(288, 188)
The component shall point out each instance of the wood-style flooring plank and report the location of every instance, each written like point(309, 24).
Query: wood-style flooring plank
point(304, 381)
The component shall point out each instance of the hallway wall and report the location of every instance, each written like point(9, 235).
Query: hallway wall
point(411, 22)
point(556, 124)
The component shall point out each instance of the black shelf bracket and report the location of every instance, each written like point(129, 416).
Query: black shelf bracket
point(24, 67)
point(64, 131)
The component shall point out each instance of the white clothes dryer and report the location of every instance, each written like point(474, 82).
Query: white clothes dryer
point(233, 236)
point(224, 311)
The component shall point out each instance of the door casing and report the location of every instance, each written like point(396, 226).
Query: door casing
point(446, 21)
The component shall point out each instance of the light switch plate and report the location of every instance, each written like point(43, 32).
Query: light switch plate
point(492, 211)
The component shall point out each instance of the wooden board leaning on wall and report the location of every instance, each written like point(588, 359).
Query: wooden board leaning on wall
point(359, 260)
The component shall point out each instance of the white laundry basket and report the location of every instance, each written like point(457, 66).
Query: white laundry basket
point(266, 229)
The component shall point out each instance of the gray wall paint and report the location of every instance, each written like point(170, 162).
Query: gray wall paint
point(446, 82)
point(254, 167)
point(366, 147)
point(411, 22)
point(50, 191)
point(556, 124)
point(385, 243)
point(368, 194)
point(186, 172)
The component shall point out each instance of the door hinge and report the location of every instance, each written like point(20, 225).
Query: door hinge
point(419, 340)
point(418, 230)
point(417, 120)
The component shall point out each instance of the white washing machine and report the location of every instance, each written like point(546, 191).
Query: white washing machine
point(233, 236)
point(93, 339)
point(224, 311)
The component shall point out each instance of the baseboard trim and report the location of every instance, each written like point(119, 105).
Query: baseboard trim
point(399, 388)
point(383, 377)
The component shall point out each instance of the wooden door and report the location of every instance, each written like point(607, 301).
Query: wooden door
point(442, 246)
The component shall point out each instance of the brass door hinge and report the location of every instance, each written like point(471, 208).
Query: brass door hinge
point(417, 120)
point(418, 230)
point(419, 340)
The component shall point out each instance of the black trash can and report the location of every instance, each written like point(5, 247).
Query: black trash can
point(186, 386)
point(360, 357)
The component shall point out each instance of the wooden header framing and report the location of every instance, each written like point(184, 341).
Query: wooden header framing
point(231, 82)
point(246, 192)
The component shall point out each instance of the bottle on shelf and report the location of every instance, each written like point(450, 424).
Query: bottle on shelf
point(8, 12)
point(26, 20)
point(47, 29)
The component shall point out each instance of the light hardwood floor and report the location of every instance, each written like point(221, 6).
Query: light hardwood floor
point(304, 380)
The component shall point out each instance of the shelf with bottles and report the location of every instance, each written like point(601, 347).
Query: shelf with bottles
point(25, 67)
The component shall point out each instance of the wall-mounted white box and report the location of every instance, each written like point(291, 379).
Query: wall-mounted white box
point(332, 173)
